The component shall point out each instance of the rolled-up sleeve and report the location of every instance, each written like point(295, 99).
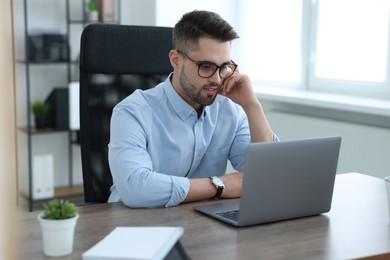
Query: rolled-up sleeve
point(180, 188)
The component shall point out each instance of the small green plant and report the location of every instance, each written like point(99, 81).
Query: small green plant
point(91, 5)
point(40, 110)
point(59, 209)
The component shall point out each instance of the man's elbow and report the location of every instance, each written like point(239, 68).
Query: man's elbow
point(140, 201)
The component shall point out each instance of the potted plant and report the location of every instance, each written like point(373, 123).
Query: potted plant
point(93, 14)
point(40, 110)
point(58, 222)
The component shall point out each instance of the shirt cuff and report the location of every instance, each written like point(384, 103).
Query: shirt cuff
point(180, 189)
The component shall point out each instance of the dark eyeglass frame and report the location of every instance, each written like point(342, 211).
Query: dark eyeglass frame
point(201, 63)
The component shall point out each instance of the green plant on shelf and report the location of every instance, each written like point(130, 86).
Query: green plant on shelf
point(91, 6)
point(40, 110)
point(59, 209)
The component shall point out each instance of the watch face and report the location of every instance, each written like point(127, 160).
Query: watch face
point(217, 181)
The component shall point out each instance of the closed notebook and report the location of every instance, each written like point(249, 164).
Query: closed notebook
point(135, 243)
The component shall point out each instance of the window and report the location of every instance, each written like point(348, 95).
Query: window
point(329, 45)
point(272, 34)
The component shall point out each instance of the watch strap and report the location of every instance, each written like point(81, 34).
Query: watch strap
point(219, 190)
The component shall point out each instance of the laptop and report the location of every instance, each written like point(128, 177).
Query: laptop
point(282, 180)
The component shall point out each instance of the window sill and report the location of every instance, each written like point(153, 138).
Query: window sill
point(378, 107)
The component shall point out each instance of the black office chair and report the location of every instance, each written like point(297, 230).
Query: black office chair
point(114, 61)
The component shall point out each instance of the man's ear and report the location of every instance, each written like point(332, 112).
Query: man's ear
point(174, 58)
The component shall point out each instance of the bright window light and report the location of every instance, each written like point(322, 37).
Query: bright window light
point(352, 40)
point(272, 33)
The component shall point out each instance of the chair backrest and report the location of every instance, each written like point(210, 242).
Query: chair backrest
point(114, 61)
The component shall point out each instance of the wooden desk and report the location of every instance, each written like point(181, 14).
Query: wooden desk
point(357, 226)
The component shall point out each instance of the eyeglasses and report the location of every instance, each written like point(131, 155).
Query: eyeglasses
point(207, 69)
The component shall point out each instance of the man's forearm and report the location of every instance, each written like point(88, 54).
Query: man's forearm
point(258, 124)
point(202, 188)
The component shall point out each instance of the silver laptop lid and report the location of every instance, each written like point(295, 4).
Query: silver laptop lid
point(289, 179)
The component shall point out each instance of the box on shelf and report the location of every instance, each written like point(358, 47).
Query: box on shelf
point(74, 106)
point(47, 47)
point(43, 176)
point(106, 9)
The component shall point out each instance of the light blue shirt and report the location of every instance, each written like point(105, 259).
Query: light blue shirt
point(158, 141)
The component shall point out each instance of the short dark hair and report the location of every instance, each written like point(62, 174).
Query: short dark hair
point(196, 24)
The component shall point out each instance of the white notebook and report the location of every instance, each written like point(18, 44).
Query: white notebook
point(135, 243)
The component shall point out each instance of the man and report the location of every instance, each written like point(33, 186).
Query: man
point(170, 144)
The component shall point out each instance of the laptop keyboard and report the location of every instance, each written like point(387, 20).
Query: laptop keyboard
point(231, 214)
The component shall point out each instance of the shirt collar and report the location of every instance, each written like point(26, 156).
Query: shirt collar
point(181, 107)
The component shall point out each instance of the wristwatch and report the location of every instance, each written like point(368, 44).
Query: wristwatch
point(219, 185)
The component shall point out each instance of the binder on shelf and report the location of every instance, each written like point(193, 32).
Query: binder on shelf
point(135, 243)
point(58, 115)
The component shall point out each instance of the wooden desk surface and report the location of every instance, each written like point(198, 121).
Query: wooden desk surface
point(356, 226)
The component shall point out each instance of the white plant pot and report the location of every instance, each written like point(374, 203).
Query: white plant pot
point(57, 235)
point(93, 16)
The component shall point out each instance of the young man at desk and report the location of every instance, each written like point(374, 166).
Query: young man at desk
point(170, 144)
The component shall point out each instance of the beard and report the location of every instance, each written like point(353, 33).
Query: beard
point(195, 94)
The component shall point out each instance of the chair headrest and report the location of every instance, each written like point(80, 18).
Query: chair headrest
point(125, 49)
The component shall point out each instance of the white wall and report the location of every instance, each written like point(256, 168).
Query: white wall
point(168, 12)
point(364, 148)
point(138, 12)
